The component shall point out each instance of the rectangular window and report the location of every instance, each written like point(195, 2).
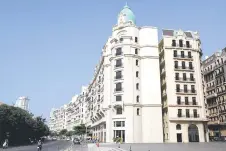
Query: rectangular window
point(119, 111)
point(189, 55)
point(138, 111)
point(118, 52)
point(182, 54)
point(118, 63)
point(187, 44)
point(178, 87)
point(184, 77)
point(174, 43)
point(186, 101)
point(183, 65)
point(181, 43)
point(174, 53)
point(179, 112)
point(136, 51)
point(187, 113)
point(190, 65)
point(119, 123)
point(136, 39)
point(192, 77)
point(176, 64)
point(118, 75)
point(137, 62)
point(118, 87)
point(194, 101)
point(137, 86)
point(193, 88)
point(118, 98)
point(195, 113)
point(177, 76)
point(178, 100)
point(185, 88)
point(137, 74)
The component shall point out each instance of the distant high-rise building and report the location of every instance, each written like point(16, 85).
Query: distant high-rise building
point(22, 102)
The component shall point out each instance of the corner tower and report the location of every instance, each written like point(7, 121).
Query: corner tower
point(132, 90)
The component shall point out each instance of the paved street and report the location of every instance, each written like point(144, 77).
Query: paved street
point(50, 146)
point(211, 146)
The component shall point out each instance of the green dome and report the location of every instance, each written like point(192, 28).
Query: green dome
point(126, 15)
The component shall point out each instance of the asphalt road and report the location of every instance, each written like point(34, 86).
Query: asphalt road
point(50, 146)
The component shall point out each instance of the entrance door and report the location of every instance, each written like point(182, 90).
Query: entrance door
point(179, 137)
point(193, 133)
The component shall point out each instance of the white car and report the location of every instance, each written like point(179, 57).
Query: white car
point(68, 139)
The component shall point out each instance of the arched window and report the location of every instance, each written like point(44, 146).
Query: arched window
point(178, 127)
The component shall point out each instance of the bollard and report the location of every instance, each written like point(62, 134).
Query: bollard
point(118, 145)
point(130, 148)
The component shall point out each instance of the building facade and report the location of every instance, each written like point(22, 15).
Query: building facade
point(143, 90)
point(69, 115)
point(213, 69)
point(184, 116)
point(23, 103)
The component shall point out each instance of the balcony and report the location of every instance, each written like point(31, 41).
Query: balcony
point(190, 80)
point(184, 46)
point(210, 88)
point(182, 91)
point(186, 103)
point(183, 57)
point(210, 96)
point(183, 68)
point(118, 53)
point(189, 117)
point(212, 105)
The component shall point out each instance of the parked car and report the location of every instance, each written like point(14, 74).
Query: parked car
point(76, 141)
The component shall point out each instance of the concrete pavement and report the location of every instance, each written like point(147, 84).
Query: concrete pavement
point(210, 146)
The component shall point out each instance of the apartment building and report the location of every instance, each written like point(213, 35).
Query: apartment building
point(57, 119)
point(124, 96)
point(69, 115)
point(184, 116)
point(143, 90)
point(213, 70)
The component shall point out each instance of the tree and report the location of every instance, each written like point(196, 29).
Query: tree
point(18, 125)
point(63, 132)
point(69, 133)
point(80, 129)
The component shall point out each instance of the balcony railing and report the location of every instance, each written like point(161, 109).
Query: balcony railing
point(181, 45)
point(185, 79)
point(187, 103)
point(182, 56)
point(185, 91)
point(188, 116)
point(183, 68)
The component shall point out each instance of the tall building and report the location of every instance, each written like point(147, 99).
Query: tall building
point(23, 103)
point(125, 98)
point(145, 91)
point(213, 69)
point(184, 116)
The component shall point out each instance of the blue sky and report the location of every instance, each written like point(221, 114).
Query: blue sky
point(49, 48)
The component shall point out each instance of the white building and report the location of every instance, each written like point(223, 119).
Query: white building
point(184, 113)
point(69, 115)
point(23, 103)
point(125, 94)
point(144, 91)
